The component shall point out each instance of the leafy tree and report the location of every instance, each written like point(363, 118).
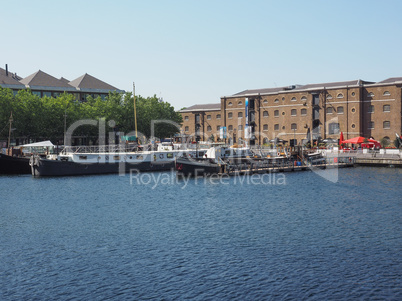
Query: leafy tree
point(44, 118)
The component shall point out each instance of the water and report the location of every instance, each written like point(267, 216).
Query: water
point(112, 238)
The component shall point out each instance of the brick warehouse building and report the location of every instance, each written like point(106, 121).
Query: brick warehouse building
point(356, 108)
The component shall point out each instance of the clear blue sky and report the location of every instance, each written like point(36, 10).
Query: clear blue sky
point(194, 52)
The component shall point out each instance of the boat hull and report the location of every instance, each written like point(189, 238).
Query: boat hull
point(51, 168)
point(14, 165)
point(189, 167)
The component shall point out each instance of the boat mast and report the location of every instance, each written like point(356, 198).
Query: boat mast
point(135, 114)
point(9, 131)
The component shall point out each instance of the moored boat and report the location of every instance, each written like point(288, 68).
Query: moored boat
point(15, 160)
point(216, 160)
point(12, 165)
point(85, 162)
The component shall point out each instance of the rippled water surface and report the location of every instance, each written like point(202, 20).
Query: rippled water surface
point(293, 237)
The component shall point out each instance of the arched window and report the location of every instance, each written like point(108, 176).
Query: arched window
point(293, 112)
point(340, 95)
point(303, 112)
point(330, 110)
point(240, 103)
point(209, 128)
point(230, 128)
point(276, 100)
point(276, 127)
point(293, 99)
point(339, 110)
point(240, 127)
point(230, 115)
point(329, 96)
point(304, 98)
point(386, 108)
point(186, 129)
point(265, 114)
point(265, 101)
point(386, 93)
point(387, 125)
point(293, 126)
point(276, 113)
point(230, 103)
point(371, 94)
point(265, 127)
point(218, 116)
point(240, 115)
point(186, 118)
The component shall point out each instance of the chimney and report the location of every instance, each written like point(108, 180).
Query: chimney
point(6, 70)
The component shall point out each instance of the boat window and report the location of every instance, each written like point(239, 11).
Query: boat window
point(116, 157)
point(83, 157)
point(139, 157)
point(169, 155)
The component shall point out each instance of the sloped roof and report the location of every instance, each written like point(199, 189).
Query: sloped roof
point(10, 81)
point(87, 82)
point(260, 91)
point(391, 80)
point(64, 80)
point(41, 80)
point(203, 107)
point(357, 82)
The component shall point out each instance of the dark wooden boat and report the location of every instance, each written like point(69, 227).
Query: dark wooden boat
point(55, 168)
point(13, 165)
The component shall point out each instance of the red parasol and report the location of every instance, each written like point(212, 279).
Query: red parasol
point(360, 140)
point(341, 140)
point(356, 140)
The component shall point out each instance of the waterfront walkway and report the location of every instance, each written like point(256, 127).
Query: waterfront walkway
point(382, 157)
